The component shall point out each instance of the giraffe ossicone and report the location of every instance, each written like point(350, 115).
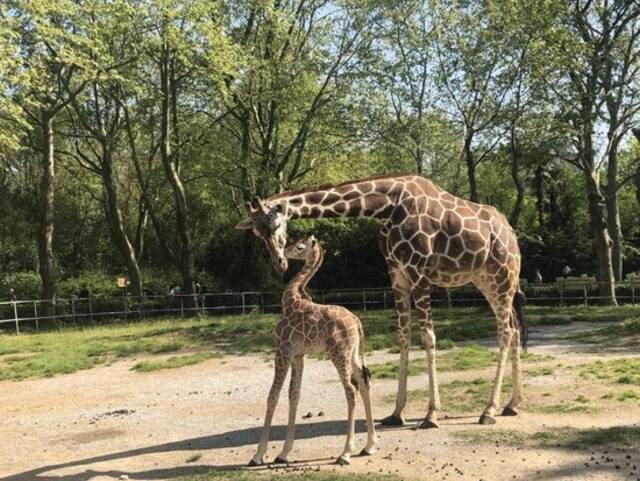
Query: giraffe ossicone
point(306, 326)
point(428, 237)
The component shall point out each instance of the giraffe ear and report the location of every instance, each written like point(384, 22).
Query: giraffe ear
point(245, 224)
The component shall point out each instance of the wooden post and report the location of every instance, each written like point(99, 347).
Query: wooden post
point(244, 311)
point(584, 293)
point(364, 300)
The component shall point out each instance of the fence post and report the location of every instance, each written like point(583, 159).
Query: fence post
point(584, 294)
point(262, 303)
point(125, 305)
point(561, 294)
point(384, 299)
point(633, 294)
point(15, 316)
point(35, 314)
point(244, 311)
point(90, 311)
point(73, 311)
point(364, 300)
point(181, 306)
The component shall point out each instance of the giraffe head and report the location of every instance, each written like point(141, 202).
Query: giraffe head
point(304, 250)
point(269, 222)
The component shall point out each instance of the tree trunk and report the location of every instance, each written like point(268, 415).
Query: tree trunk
point(185, 257)
point(46, 258)
point(613, 213)
point(471, 167)
point(601, 237)
point(517, 181)
point(636, 179)
point(118, 232)
point(538, 185)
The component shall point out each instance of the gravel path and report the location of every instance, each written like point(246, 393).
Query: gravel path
point(110, 422)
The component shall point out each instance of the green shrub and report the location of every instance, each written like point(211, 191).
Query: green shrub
point(99, 285)
point(27, 285)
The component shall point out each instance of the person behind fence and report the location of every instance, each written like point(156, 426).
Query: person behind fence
point(566, 271)
point(537, 278)
point(12, 295)
point(84, 293)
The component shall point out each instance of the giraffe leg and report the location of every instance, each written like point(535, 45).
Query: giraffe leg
point(297, 367)
point(421, 293)
point(516, 370)
point(282, 364)
point(402, 295)
point(343, 365)
point(506, 333)
point(362, 378)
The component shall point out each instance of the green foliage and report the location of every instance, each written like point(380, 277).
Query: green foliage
point(26, 285)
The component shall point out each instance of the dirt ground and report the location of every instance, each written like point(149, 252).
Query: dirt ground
point(111, 422)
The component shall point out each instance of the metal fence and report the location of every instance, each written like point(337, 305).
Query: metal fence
point(92, 310)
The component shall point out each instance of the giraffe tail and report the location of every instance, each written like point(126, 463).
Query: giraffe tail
point(519, 300)
point(366, 374)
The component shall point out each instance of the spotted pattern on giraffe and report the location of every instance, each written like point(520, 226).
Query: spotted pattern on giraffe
point(428, 237)
point(309, 327)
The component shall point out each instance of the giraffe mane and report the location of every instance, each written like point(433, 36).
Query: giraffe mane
point(314, 188)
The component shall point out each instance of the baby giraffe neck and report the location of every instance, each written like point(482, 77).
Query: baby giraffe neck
point(297, 286)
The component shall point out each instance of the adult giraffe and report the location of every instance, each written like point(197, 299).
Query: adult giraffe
point(428, 237)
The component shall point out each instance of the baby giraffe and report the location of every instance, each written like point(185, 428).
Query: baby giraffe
point(309, 327)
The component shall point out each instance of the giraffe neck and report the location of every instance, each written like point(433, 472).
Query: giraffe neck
point(367, 198)
point(297, 287)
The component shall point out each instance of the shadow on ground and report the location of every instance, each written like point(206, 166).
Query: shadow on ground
point(230, 439)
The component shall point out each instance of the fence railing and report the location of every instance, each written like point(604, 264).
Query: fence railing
point(91, 310)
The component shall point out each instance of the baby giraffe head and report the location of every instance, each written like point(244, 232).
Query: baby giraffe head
point(307, 249)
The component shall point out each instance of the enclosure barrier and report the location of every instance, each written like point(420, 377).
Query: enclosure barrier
point(567, 291)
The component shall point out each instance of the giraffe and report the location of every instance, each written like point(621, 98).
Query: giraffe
point(306, 326)
point(428, 237)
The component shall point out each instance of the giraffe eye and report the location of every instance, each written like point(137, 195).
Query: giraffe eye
point(300, 247)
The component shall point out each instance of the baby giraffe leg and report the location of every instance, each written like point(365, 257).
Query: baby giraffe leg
point(282, 366)
point(343, 365)
point(297, 367)
point(362, 377)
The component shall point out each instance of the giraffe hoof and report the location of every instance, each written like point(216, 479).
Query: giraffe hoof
point(279, 460)
point(392, 420)
point(343, 461)
point(366, 452)
point(428, 424)
point(253, 462)
point(487, 420)
point(509, 411)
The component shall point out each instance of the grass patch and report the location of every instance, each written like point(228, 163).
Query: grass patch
point(75, 348)
point(459, 396)
point(468, 357)
point(565, 408)
point(194, 457)
point(621, 371)
point(174, 362)
point(628, 394)
point(247, 475)
point(539, 371)
point(565, 438)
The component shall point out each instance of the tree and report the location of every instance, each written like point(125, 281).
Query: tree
point(478, 63)
point(55, 50)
